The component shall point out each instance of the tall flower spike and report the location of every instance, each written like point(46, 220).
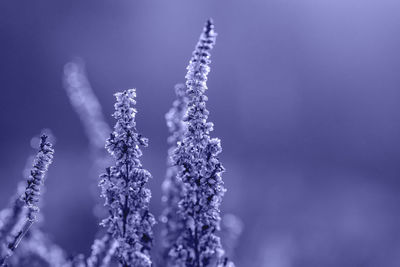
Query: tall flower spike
point(124, 188)
point(31, 197)
point(200, 170)
point(172, 187)
point(42, 161)
point(15, 212)
point(37, 249)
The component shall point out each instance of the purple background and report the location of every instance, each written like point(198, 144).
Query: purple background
point(304, 94)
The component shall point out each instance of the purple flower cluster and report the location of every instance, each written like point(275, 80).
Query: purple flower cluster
point(124, 187)
point(17, 221)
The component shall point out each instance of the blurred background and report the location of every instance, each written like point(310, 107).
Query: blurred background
point(304, 94)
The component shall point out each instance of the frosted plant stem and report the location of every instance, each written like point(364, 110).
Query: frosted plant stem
point(14, 244)
point(31, 198)
point(11, 218)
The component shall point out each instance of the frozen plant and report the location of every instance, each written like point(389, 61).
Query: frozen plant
point(172, 187)
point(37, 249)
point(27, 203)
point(192, 191)
point(200, 170)
point(124, 188)
point(10, 216)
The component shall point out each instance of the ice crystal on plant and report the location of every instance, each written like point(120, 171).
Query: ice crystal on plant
point(37, 249)
point(124, 187)
point(36, 178)
point(29, 201)
point(200, 170)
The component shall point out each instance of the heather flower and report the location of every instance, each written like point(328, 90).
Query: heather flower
point(30, 200)
point(200, 170)
point(37, 249)
point(36, 179)
point(172, 187)
point(16, 210)
point(124, 187)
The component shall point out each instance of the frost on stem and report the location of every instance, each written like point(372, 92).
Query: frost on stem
point(37, 250)
point(124, 187)
point(172, 187)
point(30, 199)
point(10, 216)
point(200, 170)
point(42, 161)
